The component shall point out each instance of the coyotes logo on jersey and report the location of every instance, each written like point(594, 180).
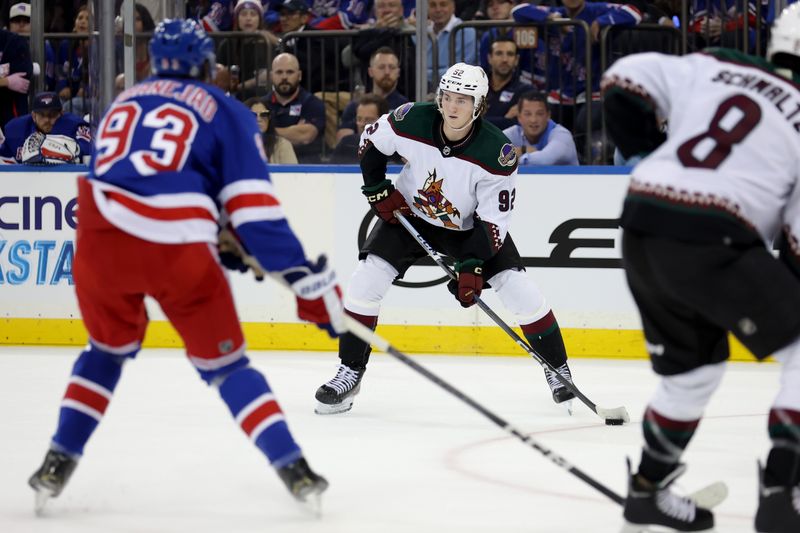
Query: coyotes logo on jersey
point(433, 203)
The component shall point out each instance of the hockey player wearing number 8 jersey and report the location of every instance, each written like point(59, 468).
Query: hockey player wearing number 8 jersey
point(175, 157)
point(700, 218)
point(458, 190)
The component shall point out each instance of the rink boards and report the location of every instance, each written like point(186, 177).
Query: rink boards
point(565, 226)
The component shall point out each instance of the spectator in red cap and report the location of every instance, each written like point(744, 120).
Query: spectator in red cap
point(48, 136)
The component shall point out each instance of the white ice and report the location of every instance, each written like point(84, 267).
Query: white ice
point(407, 458)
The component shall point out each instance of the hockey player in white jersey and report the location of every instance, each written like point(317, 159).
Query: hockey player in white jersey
point(458, 190)
point(701, 213)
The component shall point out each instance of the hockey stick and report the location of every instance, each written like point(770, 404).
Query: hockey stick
point(613, 416)
point(707, 497)
point(370, 337)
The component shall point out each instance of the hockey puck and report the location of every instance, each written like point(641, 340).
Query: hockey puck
point(614, 421)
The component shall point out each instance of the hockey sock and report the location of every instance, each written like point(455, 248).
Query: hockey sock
point(665, 439)
point(353, 351)
point(783, 463)
point(545, 337)
point(251, 402)
point(91, 385)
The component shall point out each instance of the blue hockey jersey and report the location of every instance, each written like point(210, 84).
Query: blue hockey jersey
point(20, 128)
point(174, 158)
point(568, 54)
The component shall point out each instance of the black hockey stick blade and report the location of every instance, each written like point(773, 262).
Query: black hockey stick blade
point(369, 336)
point(612, 416)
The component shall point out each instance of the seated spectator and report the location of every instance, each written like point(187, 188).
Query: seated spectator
point(319, 57)
point(19, 22)
point(73, 58)
point(15, 74)
point(299, 116)
point(384, 71)
point(389, 23)
point(47, 136)
point(248, 55)
point(442, 21)
point(279, 151)
point(539, 140)
point(504, 84)
point(369, 109)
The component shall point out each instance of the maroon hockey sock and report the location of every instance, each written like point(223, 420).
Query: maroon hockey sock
point(665, 441)
point(783, 463)
point(545, 337)
point(353, 351)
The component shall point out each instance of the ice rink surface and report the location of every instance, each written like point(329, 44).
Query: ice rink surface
point(407, 458)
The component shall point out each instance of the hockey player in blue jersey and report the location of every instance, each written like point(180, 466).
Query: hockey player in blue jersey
point(174, 158)
point(47, 136)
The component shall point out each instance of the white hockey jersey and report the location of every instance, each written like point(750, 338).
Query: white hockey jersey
point(446, 185)
point(733, 145)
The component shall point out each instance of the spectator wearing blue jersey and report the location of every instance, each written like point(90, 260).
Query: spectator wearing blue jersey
point(537, 138)
point(299, 115)
point(73, 58)
point(504, 83)
point(442, 21)
point(47, 136)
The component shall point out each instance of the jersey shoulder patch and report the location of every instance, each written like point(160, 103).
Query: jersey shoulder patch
point(414, 120)
point(492, 150)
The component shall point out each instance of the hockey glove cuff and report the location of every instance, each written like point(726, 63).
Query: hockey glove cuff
point(385, 199)
point(470, 281)
point(233, 256)
point(319, 299)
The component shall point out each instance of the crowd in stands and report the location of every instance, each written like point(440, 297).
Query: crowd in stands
point(316, 72)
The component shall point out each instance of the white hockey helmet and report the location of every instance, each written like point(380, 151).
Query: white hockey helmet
point(465, 79)
point(784, 42)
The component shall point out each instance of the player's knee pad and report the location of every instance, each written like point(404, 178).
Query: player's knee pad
point(789, 393)
point(520, 295)
point(685, 396)
point(368, 285)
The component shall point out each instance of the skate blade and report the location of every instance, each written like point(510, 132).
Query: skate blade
point(312, 505)
point(334, 409)
point(41, 498)
point(629, 527)
point(710, 496)
point(566, 406)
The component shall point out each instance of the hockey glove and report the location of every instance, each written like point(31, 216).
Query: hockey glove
point(233, 256)
point(319, 299)
point(385, 199)
point(470, 281)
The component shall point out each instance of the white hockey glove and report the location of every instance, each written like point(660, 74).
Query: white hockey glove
point(233, 256)
point(41, 149)
point(319, 298)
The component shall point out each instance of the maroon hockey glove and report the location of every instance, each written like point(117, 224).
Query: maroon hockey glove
point(319, 298)
point(470, 281)
point(385, 199)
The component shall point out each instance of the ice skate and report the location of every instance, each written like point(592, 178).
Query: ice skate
point(336, 396)
point(49, 480)
point(654, 507)
point(778, 507)
point(561, 394)
point(306, 486)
